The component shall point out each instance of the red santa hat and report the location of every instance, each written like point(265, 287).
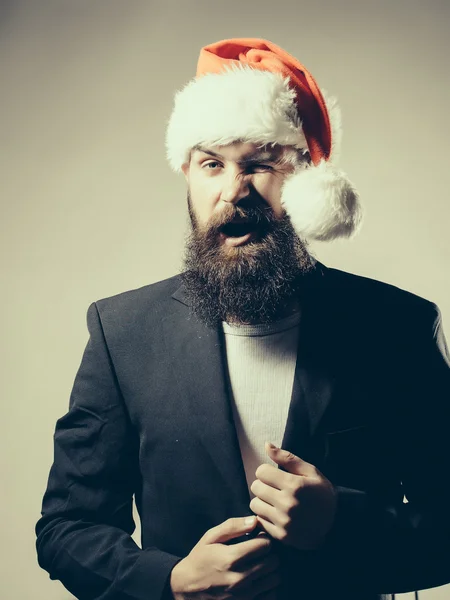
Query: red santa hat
point(251, 90)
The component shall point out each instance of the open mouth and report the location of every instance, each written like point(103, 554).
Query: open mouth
point(238, 229)
point(238, 233)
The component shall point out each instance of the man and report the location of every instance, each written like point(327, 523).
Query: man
point(184, 382)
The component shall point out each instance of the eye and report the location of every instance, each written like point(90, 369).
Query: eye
point(250, 167)
point(260, 166)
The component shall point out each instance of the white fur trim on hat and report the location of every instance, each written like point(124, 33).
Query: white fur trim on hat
point(240, 103)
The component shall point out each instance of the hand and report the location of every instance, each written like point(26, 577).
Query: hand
point(298, 508)
point(214, 570)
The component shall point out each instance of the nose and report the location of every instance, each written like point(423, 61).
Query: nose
point(235, 187)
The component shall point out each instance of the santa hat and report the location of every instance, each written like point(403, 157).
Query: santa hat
point(251, 90)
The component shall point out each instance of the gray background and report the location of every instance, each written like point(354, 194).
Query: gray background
point(90, 207)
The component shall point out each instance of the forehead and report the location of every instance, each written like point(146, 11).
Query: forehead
point(241, 151)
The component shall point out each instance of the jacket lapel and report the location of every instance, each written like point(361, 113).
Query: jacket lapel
point(202, 362)
point(202, 352)
point(314, 379)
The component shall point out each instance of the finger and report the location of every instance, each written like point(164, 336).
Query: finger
point(275, 477)
point(257, 567)
point(251, 550)
point(229, 529)
point(291, 462)
point(270, 474)
point(267, 493)
point(270, 528)
point(267, 511)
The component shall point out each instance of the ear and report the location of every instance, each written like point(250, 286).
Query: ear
point(185, 169)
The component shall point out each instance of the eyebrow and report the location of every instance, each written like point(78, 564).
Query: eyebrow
point(257, 155)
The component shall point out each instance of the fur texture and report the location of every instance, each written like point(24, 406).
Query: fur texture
point(241, 103)
point(249, 105)
point(322, 203)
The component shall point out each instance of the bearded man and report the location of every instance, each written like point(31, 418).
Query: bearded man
point(244, 262)
point(183, 383)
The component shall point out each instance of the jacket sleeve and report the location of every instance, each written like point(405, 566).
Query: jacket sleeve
point(405, 547)
point(84, 534)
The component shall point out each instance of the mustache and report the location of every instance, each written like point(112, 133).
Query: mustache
point(259, 215)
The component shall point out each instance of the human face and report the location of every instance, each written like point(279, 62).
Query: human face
point(219, 176)
point(243, 263)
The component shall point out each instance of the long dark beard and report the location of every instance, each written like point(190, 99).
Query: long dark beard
point(253, 283)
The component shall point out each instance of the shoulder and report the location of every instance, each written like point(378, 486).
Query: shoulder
point(366, 295)
point(150, 301)
point(362, 285)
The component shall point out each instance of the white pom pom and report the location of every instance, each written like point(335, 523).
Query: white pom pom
point(321, 202)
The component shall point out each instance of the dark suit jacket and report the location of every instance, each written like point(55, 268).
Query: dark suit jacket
point(150, 415)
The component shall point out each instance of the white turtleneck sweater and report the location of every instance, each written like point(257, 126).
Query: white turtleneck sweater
point(261, 363)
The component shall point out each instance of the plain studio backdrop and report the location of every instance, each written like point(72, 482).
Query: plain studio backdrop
point(90, 207)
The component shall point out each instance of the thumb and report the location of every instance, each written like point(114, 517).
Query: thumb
point(292, 463)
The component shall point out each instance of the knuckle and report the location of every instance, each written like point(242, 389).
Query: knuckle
point(232, 524)
point(284, 519)
point(285, 500)
point(295, 491)
point(288, 499)
point(292, 511)
point(283, 535)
